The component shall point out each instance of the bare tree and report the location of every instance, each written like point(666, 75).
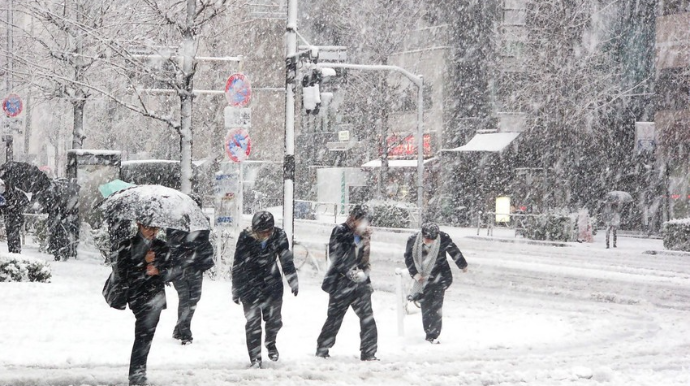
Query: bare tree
point(64, 56)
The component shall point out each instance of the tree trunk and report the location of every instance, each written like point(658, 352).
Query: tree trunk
point(78, 125)
point(188, 53)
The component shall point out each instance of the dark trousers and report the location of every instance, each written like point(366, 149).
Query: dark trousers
point(270, 311)
point(432, 311)
point(147, 316)
point(360, 301)
point(13, 228)
point(188, 289)
point(609, 229)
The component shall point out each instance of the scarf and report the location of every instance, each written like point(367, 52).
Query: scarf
point(424, 263)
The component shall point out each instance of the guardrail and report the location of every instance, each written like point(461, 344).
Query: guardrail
point(516, 221)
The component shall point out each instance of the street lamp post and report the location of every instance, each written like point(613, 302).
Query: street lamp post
point(289, 157)
point(418, 81)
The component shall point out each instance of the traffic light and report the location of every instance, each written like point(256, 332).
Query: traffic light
point(311, 93)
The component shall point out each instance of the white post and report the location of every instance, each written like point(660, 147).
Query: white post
point(420, 149)
point(400, 299)
point(289, 157)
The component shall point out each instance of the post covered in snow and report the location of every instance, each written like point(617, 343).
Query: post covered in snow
point(400, 300)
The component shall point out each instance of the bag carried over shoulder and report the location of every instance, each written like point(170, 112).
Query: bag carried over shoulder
point(115, 292)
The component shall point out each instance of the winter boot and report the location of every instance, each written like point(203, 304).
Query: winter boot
point(322, 353)
point(369, 358)
point(273, 352)
point(256, 363)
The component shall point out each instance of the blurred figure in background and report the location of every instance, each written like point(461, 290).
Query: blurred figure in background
point(194, 252)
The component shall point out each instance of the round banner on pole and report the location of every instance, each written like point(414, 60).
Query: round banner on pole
point(12, 105)
point(238, 145)
point(238, 91)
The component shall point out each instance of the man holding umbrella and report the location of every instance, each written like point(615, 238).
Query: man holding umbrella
point(13, 210)
point(20, 179)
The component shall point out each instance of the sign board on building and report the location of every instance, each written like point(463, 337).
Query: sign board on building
point(399, 147)
point(238, 91)
point(645, 137)
point(237, 117)
point(238, 145)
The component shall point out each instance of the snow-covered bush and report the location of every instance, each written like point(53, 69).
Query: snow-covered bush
point(14, 267)
point(677, 235)
point(549, 227)
point(390, 214)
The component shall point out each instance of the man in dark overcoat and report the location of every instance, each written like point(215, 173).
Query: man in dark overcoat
point(194, 252)
point(426, 261)
point(258, 284)
point(348, 285)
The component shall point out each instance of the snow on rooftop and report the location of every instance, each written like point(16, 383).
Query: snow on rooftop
point(396, 163)
point(94, 152)
point(493, 142)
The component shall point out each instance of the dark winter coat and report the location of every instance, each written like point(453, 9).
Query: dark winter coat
point(193, 251)
point(342, 252)
point(255, 273)
point(441, 275)
point(131, 267)
point(15, 202)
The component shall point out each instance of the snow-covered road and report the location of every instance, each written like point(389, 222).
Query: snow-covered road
point(523, 315)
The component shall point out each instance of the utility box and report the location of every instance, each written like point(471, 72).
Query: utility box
point(89, 169)
point(341, 186)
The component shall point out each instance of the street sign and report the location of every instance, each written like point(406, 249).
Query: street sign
point(12, 105)
point(238, 91)
point(238, 145)
point(237, 117)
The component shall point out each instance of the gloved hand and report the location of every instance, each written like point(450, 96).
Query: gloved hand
point(357, 275)
point(295, 290)
point(236, 299)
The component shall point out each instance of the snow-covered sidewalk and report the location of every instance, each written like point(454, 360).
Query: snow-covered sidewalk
point(523, 315)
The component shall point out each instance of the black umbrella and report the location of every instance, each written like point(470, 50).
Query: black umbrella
point(26, 177)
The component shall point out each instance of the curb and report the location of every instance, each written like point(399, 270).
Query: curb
point(521, 241)
point(668, 253)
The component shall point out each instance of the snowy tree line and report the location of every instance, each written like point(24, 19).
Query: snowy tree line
point(585, 76)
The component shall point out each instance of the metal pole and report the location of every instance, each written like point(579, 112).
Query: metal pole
point(289, 158)
point(418, 80)
point(420, 149)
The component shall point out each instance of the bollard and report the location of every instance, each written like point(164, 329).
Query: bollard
point(400, 300)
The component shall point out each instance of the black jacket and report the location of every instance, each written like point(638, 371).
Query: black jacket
point(15, 202)
point(440, 274)
point(131, 268)
point(342, 252)
point(192, 250)
point(255, 272)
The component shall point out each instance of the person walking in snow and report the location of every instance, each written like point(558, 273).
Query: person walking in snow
point(144, 264)
point(258, 284)
point(194, 252)
point(13, 211)
point(613, 222)
point(425, 258)
point(348, 285)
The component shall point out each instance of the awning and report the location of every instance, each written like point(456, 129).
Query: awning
point(396, 163)
point(492, 142)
